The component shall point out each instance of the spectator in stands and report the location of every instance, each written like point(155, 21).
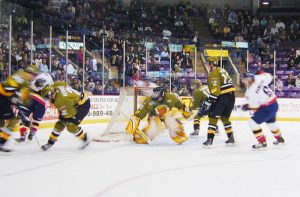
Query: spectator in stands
point(97, 90)
point(103, 32)
point(255, 22)
point(75, 84)
point(263, 23)
point(115, 55)
point(290, 81)
point(43, 67)
point(239, 37)
point(79, 56)
point(265, 53)
point(164, 55)
point(226, 32)
point(279, 25)
point(291, 61)
point(70, 69)
point(295, 26)
point(232, 17)
point(274, 30)
point(38, 60)
point(297, 81)
point(187, 61)
point(174, 90)
point(184, 91)
point(93, 64)
point(279, 85)
point(268, 68)
point(176, 63)
point(253, 49)
point(110, 33)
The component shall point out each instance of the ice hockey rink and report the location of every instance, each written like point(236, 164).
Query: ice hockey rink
point(160, 169)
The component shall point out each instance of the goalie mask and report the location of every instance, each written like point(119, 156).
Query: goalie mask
point(158, 93)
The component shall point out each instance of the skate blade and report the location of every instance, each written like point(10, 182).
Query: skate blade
point(17, 141)
point(259, 149)
point(207, 146)
point(230, 144)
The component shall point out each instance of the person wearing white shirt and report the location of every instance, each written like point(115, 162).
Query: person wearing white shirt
point(262, 99)
point(280, 24)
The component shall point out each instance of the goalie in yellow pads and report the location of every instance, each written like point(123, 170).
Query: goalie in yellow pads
point(163, 110)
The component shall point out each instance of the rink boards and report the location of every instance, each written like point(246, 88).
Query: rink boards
point(102, 108)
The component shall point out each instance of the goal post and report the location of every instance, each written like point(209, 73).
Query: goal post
point(126, 106)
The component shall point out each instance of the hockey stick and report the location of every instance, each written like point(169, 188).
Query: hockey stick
point(37, 141)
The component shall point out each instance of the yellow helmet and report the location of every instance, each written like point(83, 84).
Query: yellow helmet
point(197, 82)
point(213, 60)
point(32, 69)
point(47, 91)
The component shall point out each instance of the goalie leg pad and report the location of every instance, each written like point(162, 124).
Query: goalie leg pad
point(175, 127)
point(154, 128)
point(140, 137)
point(180, 138)
point(132, 125)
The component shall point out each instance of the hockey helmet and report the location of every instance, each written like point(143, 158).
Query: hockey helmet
point(249, 75)
point(47, 91)
point(197, 83)
point(213, 61)
point(32, 69)
point(158, 92)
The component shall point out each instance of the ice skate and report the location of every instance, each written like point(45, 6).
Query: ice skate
point(30, 136)
point(21, 139)
point(4, 149)
point(46, 146)
point(195, 133)
point(208, 143)
point(279, 141)
point(260, 145)
point(230, 141)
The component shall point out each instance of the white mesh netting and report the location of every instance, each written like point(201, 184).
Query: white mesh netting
point(115, 130)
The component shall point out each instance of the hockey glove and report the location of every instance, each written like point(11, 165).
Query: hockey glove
point(187, 113)
point(244, 107)
point(23, 115)
point(205, 107)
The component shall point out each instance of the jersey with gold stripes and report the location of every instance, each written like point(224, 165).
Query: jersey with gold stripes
point(67, 99)
point(219, 82)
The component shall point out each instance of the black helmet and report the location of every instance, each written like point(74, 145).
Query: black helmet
point(158, 92)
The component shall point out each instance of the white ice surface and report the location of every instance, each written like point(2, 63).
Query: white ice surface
point(162, 169)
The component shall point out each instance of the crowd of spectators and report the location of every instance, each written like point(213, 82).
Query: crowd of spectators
point(139, 22)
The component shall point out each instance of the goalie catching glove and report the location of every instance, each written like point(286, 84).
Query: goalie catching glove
point(187, 113)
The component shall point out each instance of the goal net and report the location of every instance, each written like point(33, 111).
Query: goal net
point(127, 105)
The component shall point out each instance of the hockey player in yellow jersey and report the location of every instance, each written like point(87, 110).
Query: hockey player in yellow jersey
point(73, 107)
point(163, 109)
point(10, 93)
point(220, 102)
point(200, 93)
